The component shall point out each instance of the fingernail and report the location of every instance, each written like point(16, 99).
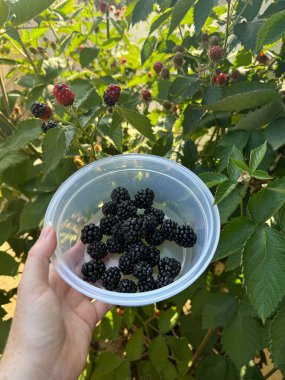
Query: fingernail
point(46, 230)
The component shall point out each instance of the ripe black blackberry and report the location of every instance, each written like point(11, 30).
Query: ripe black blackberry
point(155, 238)
point(144, 198)
point(169, 266)
point(91, 233)
point(109, 208)
point(97, 249)
point(93, 270)
point(120, 194)
point(142, 270)
point(109, 100)
point(150, 223)
point(126, 264)
point(158, 214)
point(116, 231)
point(137, 251)
point(127, 286)
point(169, 229)
point(107, 223)
point(163, 279)
point(46, 125)
point(126, 209)
point(152, 256)
point(185, 236)
point(111, 278)
point(41, 110)
point(147, 284)
point(115, 245)
point(133, 229)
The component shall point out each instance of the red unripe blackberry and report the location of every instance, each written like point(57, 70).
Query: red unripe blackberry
point(145, 94)
point(123, 61)
point(235, 74)
point(102, 7)
point(63, 94)
point(112, 94)
point(41, 110)
point(222, 79)
point(158, 67)
point(216, 53)
point(149, 74)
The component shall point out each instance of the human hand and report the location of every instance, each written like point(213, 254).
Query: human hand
point(53, 323)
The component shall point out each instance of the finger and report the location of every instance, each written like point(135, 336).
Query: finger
point(101, 308)
point(36, 270)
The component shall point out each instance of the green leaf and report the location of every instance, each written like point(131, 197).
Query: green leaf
point(212, 367)
point(135, 346)
point(249, 9)
point(183, 88)
point(168, 319)
point(54, 148)
point(87, 55)
point(148, 48)
point(247, 33)
point(212, 179)
point(223, 190)
point(8, 265)
point(275, 133)
point(202, 10)
point(191, 119)
point(142, 10)
point(242, 338)
point(34, 212)
point(137, 120)
point(256, 157)
point(243, 58)
point(180, 10)
point(11, 159)
point(158, 352)
point(8, 61)
point(4, 331)
point(159, 21)
point(31, 81)
point(272, 30)
point(106, 363)
point(123, 372)
point(234, 171)
point(234, 236)
point(4, 12)
point(262, 116)
point(267, 201)
point(264, 270)
point(218, 310)
point(240, 165)
point(212, 95)
point(169, 372)
point(228, 206)
point(179, 347)
point(277, 338)
point(260, 174)
point(244, 101)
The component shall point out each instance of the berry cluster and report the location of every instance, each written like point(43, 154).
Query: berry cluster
point(112, 94)
point(41, 110)
point(63, 94)
point(134, 229)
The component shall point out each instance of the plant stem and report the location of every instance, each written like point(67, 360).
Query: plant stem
point(270, 373)
point(28, 55)
point(202, 346)
point(227, 25)
point(7, 121)
point(108, 20)
point(5, 96)
point(244, 190)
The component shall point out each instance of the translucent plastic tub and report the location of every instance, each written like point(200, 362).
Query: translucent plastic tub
point(178, 192)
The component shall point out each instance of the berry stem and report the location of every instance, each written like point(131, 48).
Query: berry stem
point(227, 26)
point(27, 54)
point(201, 348)
point(108, 20)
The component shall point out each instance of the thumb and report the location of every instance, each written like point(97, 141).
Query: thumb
point(36, 271)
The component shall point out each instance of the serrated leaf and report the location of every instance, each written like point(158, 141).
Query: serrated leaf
point(106, 363)
point(202, 10)
point(233, 171)
point(212, 179)
point(180, 348)
point(277, 338)
point(54, 148)
point(239, 164)
point(123, 372)
point(271, 31)
point(87, 55)
point(275, 133)
point(244, 101)
point(137, 120)
point(142, 10)
point(247, 33)
point(8, 265)
point(157, 22)
point(242, 338)
point(212, 367)
point(168, 319)
point(233, 237)
point(180, 10)
point(228, 206)
point(264, 270)
point(158, 352)
point(256, 156)
point(218, 310)
point(11, 159)
point(223, 190)
point(148, 48)
point(183, 88)
point(260, 174)
point(135, 345)
point(191, 118)
point(267, 201)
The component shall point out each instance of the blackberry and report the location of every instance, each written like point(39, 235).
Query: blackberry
point(116, 231)
point(115, 245)
point(142, 270)
point(214, 41)
point(158, 66)
point(165, 74)
point(155, 238)
point(186, 237)
point(107, 223)
point(159, 214)
point(178, 59)
point(216, 53)
point(63, 94)
point(169, 266)
point(126, 264)
point(91, 233)
point(126, 209)
point(48, 125)
point(111, 278)
point(205, 37)
point(163, 279)
point(127, 286)
point(93, 270)
point(97, 249)
point(109, 208)
point(120, 194)
point(108, 100)
point(147, 284)
point(133, 229)
point(167, 105)
point(112, 94)
point(152, 256)
point(41, 110)
point(150, 223)
point(179, 49)
point(169, 229)
point(144, 198)
point(145, 94)
point(137, 251)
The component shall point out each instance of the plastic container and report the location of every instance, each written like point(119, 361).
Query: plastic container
point(178, 192)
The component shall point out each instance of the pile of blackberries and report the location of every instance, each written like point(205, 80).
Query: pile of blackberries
point(134, 229)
